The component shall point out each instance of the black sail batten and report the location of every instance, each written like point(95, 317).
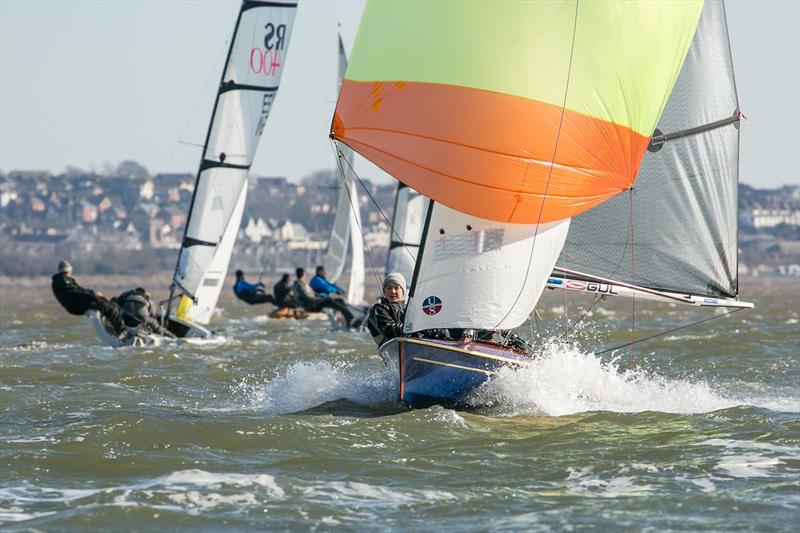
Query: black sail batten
point(228, 86)
point(188, 241)
point(208, 163)
point(251, 4)
point(397, 244)
point(659, 138)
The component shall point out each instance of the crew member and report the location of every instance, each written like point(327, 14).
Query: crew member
point(323, 287)
point(385, 319)
point(283, 292)
point(78, 300)
point(249, 292)
point(305, 296)
point(138, 311)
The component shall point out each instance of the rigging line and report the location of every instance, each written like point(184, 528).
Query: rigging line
point(339, 157)
point(584, 315)
point(192, 113)
point(643, 339)
point(552, 164)
point(375, 203)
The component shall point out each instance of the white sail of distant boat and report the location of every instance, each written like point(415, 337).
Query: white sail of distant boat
point(247, 90)
point(347, 219)
point(674, 236)
point(405, 234)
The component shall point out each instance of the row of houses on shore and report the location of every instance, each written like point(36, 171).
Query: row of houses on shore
point(44, 214)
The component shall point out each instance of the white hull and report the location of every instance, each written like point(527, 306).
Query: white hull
point(196, 335)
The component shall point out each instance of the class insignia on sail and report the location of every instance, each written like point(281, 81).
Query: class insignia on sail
point(517, 138)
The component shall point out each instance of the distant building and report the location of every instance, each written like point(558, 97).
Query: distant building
point(769, 218)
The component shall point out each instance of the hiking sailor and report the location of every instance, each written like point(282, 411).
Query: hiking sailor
point(283, 292)
point(305, 297)
point(250, 292)
point(138, 311)
point(78, 300)
point(385, 320)
point(323, 287)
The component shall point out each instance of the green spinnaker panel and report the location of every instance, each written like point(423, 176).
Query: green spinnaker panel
point(626, 58)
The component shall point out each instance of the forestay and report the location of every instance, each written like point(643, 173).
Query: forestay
point(677, 230)
point(248, 86)
point(406, 231)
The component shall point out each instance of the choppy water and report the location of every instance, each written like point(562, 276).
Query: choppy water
point(293, 426)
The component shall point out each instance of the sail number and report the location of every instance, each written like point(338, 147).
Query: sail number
point(267, 60)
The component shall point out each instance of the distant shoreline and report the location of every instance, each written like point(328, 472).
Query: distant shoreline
point(158, 283)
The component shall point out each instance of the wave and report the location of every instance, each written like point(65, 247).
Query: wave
point(306, 384)
point(565, 380)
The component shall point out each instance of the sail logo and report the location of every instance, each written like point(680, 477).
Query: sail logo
point(267, 60)
point(432, 305)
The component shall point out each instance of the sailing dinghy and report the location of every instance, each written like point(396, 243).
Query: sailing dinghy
point(249, 83)
point(514, 121)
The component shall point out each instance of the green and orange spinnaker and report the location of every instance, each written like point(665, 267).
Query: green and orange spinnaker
point(515, 111)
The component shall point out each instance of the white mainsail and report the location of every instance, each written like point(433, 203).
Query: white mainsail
point(682, 213)
point(347, 220)
point(247, 89)
point(405, 234)
point(477, 273)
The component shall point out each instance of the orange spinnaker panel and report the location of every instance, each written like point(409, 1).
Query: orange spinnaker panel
point(488, 154)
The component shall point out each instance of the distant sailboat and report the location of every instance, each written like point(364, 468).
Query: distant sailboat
point(405, 234)
point(248, 86)
point(347, 219)
point(247, 90)
point(548, 118)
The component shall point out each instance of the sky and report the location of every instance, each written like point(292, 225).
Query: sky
point(92, 83)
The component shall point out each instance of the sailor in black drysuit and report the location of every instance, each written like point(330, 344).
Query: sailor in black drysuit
point(385, 319)
point(138, 311)
point(77, 300)
point(252, 293)
point(283, 292)
point(305, 296)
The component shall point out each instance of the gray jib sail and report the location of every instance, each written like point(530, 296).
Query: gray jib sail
point(682, 214)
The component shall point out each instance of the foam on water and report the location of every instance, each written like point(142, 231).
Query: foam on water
point(307, 384)
point(566, 381)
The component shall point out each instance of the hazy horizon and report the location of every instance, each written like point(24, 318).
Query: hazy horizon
point(86, 84)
